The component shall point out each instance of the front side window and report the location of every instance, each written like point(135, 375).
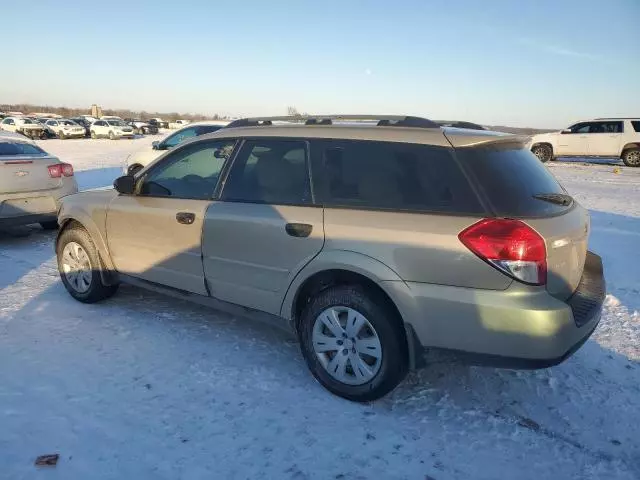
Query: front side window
point(179, 137)
point(270, 171)
point(190, 172)
point(580, 128)
point(394, 176)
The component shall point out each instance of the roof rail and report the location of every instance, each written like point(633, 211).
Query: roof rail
point(616, 118)
point(382, 120)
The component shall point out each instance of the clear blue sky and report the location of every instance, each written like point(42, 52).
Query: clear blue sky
point(537, 63)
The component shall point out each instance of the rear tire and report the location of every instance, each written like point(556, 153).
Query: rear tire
point(61, 135)
point(382, 334)
point(84, 263)
point(111, 136)
point(631, 158)
point(543, 152)
point(52, 225)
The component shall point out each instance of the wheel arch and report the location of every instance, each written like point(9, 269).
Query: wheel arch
point(629, 146)
point(351, 268)
point(84, 221)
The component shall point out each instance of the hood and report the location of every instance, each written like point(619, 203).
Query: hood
point(541, 137)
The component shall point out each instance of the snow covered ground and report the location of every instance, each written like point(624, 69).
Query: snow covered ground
point(144, 386)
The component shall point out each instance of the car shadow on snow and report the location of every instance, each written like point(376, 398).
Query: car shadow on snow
point(97, 177)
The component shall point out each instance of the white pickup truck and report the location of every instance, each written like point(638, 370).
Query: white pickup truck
point(602, 137)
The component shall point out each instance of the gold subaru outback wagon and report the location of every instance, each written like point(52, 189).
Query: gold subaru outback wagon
point(373, 238)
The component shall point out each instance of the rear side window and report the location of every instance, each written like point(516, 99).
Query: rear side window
point(515, 182)
point(394, 176)
point(8, 148)
point(636, 125)
point(270, 171)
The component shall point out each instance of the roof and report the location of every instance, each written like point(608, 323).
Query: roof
point(380, 130)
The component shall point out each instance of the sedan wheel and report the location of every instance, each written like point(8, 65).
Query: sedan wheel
point(93, 135)
point(347, 345)
point(76, 267)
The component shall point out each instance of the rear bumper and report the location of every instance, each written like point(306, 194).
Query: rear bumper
point(34, 207)
point(518, 327)
point(27, 219)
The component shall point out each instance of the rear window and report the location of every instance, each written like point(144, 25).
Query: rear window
point(636, 125)
point(19, 148)
point(514, 180)
point(394, 176)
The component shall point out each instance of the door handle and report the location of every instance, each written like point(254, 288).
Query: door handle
point(185, 218)
point(299, 229)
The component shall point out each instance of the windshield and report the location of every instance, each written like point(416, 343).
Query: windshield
point(20, 148)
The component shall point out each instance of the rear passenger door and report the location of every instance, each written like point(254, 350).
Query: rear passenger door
point(605, 138)
point(265, 226)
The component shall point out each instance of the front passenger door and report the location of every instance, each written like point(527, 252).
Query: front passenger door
point(574, 141)
point(156, 234)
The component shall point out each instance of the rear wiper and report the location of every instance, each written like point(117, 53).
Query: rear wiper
point(557, 198)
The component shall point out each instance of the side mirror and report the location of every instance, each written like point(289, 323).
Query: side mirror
point(126, 185)
point(155, 144)
point(566, 130)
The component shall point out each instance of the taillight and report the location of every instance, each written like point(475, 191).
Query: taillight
point(60, 169)
point(511, 246)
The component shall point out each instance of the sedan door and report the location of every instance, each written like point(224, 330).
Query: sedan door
point(574, 141)
point(265, 228)
point(156, 234)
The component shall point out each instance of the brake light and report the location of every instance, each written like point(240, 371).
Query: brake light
point(60, 169)
point(511, 246)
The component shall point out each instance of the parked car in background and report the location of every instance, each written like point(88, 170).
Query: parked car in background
point(112, 129)
point(84, 123)
point(602, 137)
point(88, 118)
point(65, 128)
point(141, 127)
point(48, 132)
point(178, 124)
point(32, 182)
point(141, 159)
point(25, 126)
point(370, 243)
point(161, 123)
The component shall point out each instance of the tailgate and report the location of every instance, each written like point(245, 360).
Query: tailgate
point(566, 238)
point(27, 175)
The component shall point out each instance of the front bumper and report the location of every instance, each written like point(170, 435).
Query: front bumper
point(517, 328)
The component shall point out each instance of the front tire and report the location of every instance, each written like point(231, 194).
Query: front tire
point(543, 152)
point(79, 266)
point(61, 135)
point(631, 158)
point(93, 135)
point(111, 136)
point(353, 343)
